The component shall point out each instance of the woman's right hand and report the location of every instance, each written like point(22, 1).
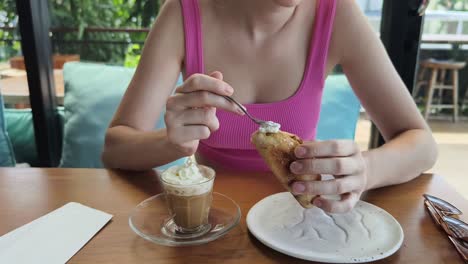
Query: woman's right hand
point(191, 112)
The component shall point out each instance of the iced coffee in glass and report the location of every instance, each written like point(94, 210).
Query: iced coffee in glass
point(188, 190)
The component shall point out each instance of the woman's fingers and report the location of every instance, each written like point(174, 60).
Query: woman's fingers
point(201, 90)
point(347, 202)
point(191, 113)
point(217, 75)
point(328, 187)
point(333, 166)
point(331, 148)
point(341, 158)
point(188, 133)
point(199, 99)
point(202, 82)
point(200, 116)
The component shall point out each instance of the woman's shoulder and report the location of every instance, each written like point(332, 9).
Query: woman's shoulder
point(348, 19)
point(171, 10)
point(345, 10)
point(167, 31)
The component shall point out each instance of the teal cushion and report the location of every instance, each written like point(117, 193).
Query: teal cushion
point(92, 95)
point(340, 110)
point(20, 127)
point(7, 158)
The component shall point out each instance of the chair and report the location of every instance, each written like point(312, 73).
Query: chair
point(439, 70)
point(7, 157)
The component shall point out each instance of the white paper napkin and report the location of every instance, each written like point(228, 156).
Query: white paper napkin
point(52, 238)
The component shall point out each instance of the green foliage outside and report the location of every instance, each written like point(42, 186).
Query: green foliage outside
point(8, 18)
point(453, 5)
point(132, 57)
point(98, 46)
point(80, 14)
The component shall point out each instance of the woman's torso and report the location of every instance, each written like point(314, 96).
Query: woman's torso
point(268, 69)
point(278, 77)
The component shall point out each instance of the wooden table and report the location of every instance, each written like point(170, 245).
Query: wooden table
point(26, 194)
point(15, 89)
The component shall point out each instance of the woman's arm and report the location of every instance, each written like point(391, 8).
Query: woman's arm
point(410, 148)
point(131, 141)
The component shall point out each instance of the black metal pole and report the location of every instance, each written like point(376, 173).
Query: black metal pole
point(35, 44)
point(400, 31)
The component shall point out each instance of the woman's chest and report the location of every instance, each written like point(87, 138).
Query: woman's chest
point(269, 72)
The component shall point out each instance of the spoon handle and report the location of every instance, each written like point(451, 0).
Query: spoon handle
point(257, 121)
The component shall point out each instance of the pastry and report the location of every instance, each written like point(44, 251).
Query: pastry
point(277, 149)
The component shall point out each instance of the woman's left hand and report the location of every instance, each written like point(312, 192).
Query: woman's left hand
point(340, 158)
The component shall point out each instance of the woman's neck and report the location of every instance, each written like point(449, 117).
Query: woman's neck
point(262, 18)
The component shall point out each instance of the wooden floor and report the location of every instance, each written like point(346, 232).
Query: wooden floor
point(452, 140)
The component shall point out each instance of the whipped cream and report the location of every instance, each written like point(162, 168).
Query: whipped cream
point(269, 127)
point(184, 175)
point(189, 179)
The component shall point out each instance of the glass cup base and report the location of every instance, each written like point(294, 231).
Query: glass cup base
point(170, 229)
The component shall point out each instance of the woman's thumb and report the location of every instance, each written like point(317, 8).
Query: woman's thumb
point(217, 75)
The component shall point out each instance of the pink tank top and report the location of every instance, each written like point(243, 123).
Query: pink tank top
point(230, 147)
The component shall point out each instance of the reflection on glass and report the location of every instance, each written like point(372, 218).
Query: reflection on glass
point(373, 10)
point(445, 38)
point(13, 83)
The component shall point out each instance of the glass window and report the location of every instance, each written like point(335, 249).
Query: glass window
point(373, 10)
point(444, 40)
point(14, 87)
point(105, 31)
point(13, 80)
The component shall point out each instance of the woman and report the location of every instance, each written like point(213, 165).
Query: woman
point(273, 56)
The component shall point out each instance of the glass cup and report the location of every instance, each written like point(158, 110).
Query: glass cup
point(189, 205)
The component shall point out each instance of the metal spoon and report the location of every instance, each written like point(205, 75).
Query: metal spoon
point(256, 120)
point(458, 227)
point(461, 246)
point(443, 206)
point(456, 230)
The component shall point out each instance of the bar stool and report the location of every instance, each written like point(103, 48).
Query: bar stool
point(438, 82)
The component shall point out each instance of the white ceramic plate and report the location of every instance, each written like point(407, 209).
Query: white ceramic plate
point(367, 233)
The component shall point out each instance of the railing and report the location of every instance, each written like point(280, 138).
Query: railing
point(60, 38)
point(56, 30)
point(443, 30)
point(89, 29)
point(449, 16)
point(458, 17)
point(458, 27)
